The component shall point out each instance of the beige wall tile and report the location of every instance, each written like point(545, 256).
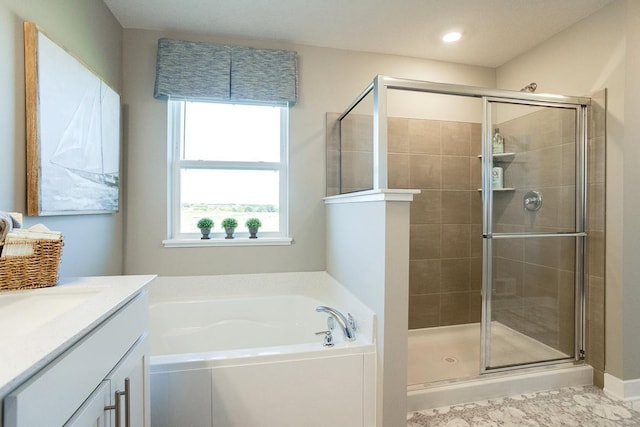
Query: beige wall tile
point(567, 208)
point(550, 252)
point(476, 139)
point(568, 126)
point(455, 241)
point(455, 173)
point(507, 208)
point(424, 311)
point(454, 308)
point(596, 206)
point(475, 306)
point(357, 132)
point(508, 278)
point(454, 275)
point(595, 250)
point(424, 171)
point(357, 170)
point(566, 317)
point(475, 274)
point(426, 207)
point(455, 138)
point(568, 168)
point(424, 276)
point(476, 207)
point(398, 135)
point(512, 249)
point(475, 241)
point(475, 173)
point(456, 207)
point(424, 241)
point(333, 172)
point(595, 322)
point(424, 136)
point(596, 160)
point(398, 170)
point(332, 134)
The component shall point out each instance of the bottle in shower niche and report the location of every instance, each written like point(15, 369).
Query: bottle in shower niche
point(497, 178)
point(497, 142)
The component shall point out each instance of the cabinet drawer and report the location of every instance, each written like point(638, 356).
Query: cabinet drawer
point(55, 393)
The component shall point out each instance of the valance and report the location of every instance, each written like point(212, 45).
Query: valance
point(205, 71)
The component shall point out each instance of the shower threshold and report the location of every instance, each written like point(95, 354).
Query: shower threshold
point(444, 364)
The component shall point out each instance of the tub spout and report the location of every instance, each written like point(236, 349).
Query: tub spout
point(347, 324)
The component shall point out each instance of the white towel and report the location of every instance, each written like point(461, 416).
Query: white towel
point(36, 232)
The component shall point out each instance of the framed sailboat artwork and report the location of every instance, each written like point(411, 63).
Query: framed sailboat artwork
point(73, 133)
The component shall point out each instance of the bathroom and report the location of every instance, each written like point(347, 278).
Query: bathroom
point(591, 55)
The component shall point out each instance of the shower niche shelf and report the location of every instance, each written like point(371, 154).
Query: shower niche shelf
point(501, 157)
point(500, 189)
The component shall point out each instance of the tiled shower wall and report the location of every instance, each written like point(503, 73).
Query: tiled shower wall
point(440, 159)
point(357, 153)
point(445, 267)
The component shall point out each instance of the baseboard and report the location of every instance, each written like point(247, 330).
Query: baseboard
point(625, 390)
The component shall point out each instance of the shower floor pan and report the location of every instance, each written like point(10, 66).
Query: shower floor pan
point(444, 366)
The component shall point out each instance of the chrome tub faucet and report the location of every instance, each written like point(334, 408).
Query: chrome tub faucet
point(347, 324)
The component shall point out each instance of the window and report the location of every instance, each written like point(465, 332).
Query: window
point(227, 160)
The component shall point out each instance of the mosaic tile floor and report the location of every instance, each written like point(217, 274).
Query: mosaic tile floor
point(572, 406)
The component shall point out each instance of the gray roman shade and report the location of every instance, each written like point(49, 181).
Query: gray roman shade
point(205, 71)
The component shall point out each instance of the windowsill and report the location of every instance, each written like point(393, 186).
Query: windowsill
point(238, 241)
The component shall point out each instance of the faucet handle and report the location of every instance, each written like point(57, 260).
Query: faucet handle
point(352, 322)
point(331, 322)
point(328, 338)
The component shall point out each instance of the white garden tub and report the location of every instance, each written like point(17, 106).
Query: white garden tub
point(242, 350)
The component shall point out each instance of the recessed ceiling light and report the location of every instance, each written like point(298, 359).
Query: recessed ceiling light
point(451, 37)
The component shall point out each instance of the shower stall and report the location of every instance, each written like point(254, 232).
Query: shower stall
point(498, 231)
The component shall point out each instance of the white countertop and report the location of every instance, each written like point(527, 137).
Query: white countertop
point(38, 325)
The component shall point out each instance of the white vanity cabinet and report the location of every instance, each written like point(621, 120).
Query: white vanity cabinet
point(105, 372)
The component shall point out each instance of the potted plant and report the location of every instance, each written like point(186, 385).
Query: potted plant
point(205, 225)
point(229, 225)
point(253, 224)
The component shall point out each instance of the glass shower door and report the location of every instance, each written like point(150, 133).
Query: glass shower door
point(533, 233)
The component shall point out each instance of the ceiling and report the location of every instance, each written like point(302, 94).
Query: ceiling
point(494, 31)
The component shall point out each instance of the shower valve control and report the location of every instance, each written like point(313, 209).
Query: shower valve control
point(532, 201)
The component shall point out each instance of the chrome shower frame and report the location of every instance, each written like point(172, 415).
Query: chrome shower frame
point(379, 87)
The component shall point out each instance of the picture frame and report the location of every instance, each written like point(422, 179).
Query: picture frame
point(72, 131)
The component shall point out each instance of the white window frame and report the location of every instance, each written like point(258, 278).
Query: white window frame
point(175, 134)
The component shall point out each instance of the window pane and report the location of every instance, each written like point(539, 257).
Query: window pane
point(219, 194)
point(228, 132)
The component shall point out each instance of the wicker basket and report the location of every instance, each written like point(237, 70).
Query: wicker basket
point(39, 270)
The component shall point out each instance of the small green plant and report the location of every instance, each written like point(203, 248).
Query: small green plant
point(229, 223)
point(205, 223)
point(253, 223)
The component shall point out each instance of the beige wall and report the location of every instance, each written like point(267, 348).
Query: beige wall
point(329, 81)
point(601, 52)
point(630, 301)
point(86, 28)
